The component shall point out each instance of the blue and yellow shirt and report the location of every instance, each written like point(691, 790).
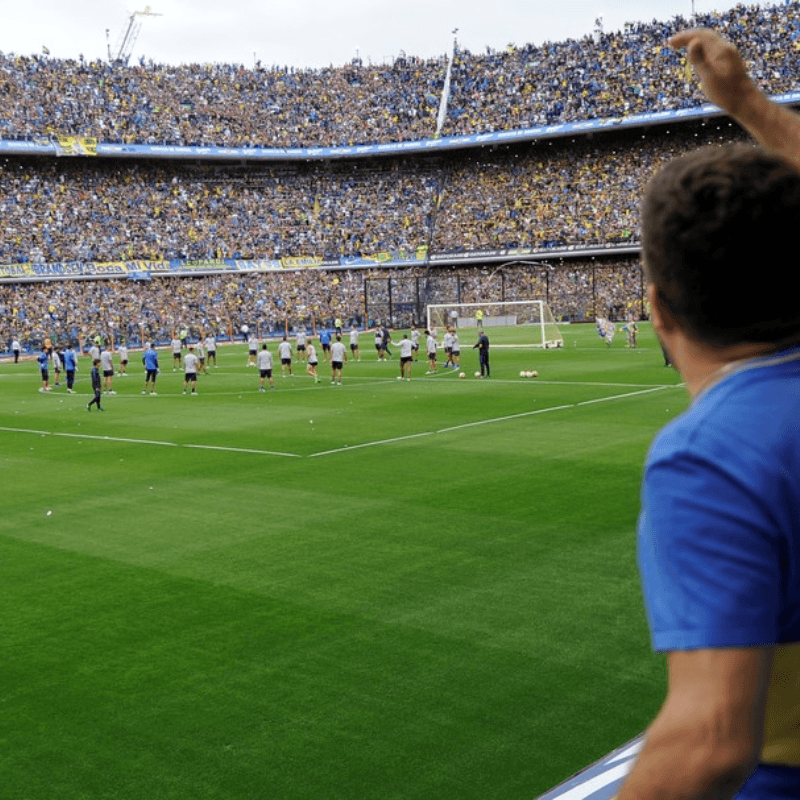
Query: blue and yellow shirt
point(719, 540)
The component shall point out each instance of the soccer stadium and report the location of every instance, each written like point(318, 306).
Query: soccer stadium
point(396, 584)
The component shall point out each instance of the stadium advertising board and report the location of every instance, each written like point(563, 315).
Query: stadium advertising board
point(142, 269)
point(603, 779)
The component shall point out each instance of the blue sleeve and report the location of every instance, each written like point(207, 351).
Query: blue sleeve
point(709, 558)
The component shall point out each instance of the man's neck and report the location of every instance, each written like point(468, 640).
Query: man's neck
point(701, 365)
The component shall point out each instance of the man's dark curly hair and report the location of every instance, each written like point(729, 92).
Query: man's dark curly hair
point(720, 234)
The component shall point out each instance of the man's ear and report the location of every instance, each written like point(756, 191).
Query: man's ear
point(663, 321)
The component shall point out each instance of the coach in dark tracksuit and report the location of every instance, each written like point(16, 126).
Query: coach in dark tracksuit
point(482, 346)
point(97, 385)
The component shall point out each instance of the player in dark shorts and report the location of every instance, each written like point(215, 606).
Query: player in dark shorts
point(97, 386)
point(150, 359)
point(482, 346)
point(211, 346)
point(325, 341)
point(387, 337)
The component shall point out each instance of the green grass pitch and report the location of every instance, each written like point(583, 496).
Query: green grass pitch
point(383, 589)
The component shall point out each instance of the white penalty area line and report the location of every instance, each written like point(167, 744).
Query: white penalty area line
point(150, 441)
point(491, 421)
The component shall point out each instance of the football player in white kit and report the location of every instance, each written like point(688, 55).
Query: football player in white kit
point(176, 353)
point(406, 358)
point(448, 347)
point(431, 349)
point(190, 367)
point(338, 360)
point(285, 352)
point(211, 347)
point(265, 368)
point(122, 352)
point(107, 364)
point(311, 364)
point(200, 351)
point(354, 343)
point(301, 345)
point(252, 349)
point(455, 351)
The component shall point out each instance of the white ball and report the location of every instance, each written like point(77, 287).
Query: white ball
point(477, 374)
point(523, 374)
point(462, 374)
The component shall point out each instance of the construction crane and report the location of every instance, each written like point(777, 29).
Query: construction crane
point(128, 38)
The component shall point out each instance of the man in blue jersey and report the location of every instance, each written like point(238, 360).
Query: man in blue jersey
point(325, 341)
point(151, 369)
point(719, 531)
point(44, 369)
point(70, 367)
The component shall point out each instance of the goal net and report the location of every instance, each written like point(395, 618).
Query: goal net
point(520, 322)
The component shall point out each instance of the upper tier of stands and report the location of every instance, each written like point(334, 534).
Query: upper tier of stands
point(612, 75)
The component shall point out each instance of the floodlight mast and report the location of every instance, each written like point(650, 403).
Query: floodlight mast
point(127, 40)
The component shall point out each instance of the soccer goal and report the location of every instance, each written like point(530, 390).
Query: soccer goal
point(517, 323)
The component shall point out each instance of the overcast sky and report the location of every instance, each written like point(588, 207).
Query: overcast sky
point(312, 33)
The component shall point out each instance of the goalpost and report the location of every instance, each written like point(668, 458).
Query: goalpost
point(515, 323)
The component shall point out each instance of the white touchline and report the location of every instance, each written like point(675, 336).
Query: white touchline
point(503, 419)
point(487, 421)
point(150, 441)
point(373, 444)
point(241, 450)
point(620, 396)
point(349, 447)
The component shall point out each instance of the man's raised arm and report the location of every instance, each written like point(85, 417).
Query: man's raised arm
point(726, 83)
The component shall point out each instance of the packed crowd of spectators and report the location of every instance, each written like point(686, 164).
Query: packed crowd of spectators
point(93, 210)
point(557, 193)
point(615, 74)
point(553, 193)
point(271, 303)
point(599, 76)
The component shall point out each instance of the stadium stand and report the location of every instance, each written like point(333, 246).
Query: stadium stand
point(448, 222)
point(608, 75)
